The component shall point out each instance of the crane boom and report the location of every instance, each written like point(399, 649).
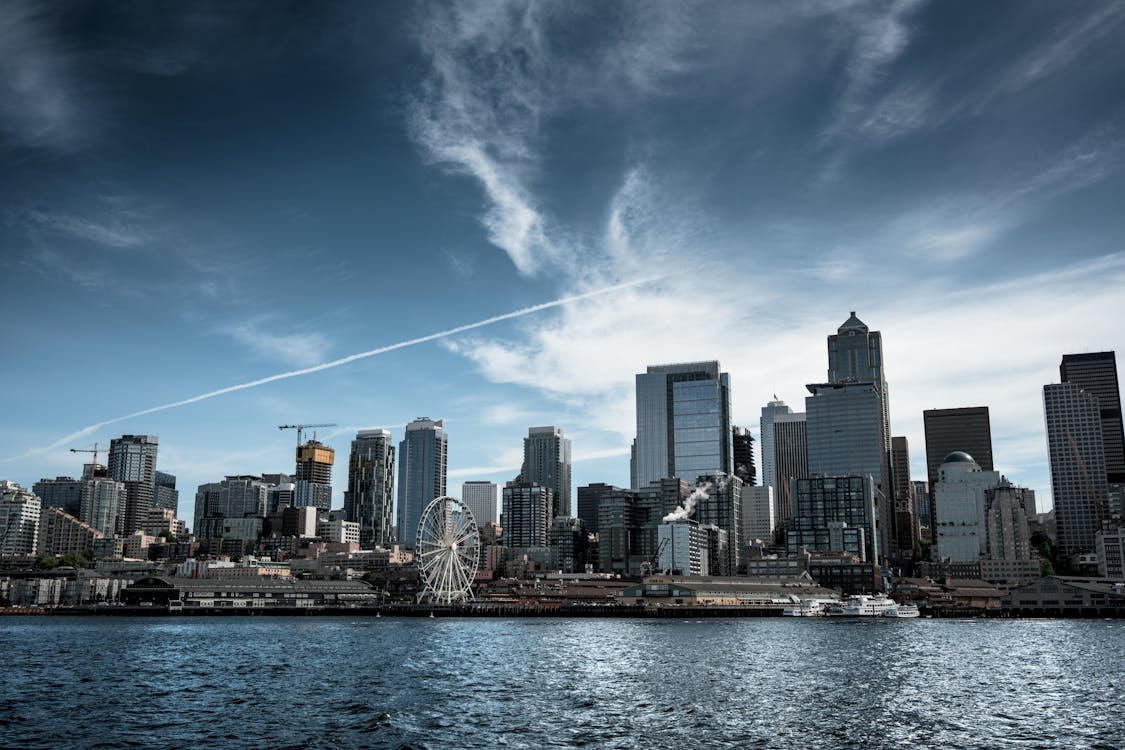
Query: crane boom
point(300, 428)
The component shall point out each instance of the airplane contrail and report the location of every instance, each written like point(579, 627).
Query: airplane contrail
point(341, 361)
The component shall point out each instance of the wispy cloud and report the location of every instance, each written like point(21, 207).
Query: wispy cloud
point(111, 230)
point(39, 101)
point(301, 349)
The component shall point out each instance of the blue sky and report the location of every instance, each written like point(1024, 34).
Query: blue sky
point(201, 195)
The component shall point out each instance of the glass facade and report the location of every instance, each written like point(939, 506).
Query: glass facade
point(683, 423)
point(421, 474)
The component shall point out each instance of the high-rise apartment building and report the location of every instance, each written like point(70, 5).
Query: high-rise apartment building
point(422, 457)
point(1096, 373)
point(546, 461)
point(103, 505)
point(19, 519)
point(236, 497)
point(61, 533)
point(743, 451)
point(589, 502)
point(132, 461)
point(683, 423)
point(314, 476)
point(759, 514)
point(482, 499)
point(1075, 445)
point(722, 508)
point(369, 499)
point(526, 518)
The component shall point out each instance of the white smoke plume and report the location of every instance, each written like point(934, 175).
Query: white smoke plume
point(681, 513)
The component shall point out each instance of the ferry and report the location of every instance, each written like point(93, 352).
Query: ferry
point(903, 611)
point(805, 608)
point(863, 605)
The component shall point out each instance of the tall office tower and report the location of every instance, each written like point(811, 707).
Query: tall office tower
point(835, 514)
point(132, 460)
point(369, 499)
point(921, 490)
point(1076, 447)
point(314, 476)
point(1096, 373)
point(845, 436)
point(683, 423)
point(790, 459)
point(759, 515)
point(589, 501)
point(166, 495)
point(742, 448)
point(855, 355)
point(482, 499)
point(19, 519)
point(617, 523)
point(722, 508)
point(546, 461)
point(906, 521)
point(770, 412)
point(60, 492)
point(966, 430)
point(526, 519)
point(960, 528)
point(422, 456)
point(103, 505)
point(569, 543)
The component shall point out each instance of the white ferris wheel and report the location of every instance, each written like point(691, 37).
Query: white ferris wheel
point(447, 550)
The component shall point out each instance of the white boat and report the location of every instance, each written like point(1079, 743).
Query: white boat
point(805, 608)
point(863, 605)
point(903, 611)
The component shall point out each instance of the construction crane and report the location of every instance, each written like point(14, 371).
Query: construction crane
point(300, 428)
point(93, 450)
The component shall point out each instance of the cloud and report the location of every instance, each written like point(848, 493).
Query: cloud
point(39, 104)
point(301, 349)
point(112, 230)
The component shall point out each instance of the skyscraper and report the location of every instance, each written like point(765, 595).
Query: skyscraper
point(482, 499)
point(132, 460)
point(770, 412)
point(422, 457)
point(314, 476)
point(743, 452)
point(1096, 373)
point(845, 437)
point(790, 459)
point(546, 461)
point(906, 521)
point(369, 499)
point(19, 519)
point(166, 495)
point(849, 420)
point(1077, 453)
point(103, 505)
point(683, 423)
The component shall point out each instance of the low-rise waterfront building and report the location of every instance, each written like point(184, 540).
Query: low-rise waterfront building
point(262, 592)
point(704, 591)
point(1061, 596)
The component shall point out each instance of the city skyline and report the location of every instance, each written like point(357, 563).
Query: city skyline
point(207, 196)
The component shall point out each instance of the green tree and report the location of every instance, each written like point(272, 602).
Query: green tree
point(46, 562)
point(76, 559)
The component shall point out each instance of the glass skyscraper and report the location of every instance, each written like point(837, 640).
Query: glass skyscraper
point(421, 474)
point(546, 461)
point(1096, 373)
point(683, 423)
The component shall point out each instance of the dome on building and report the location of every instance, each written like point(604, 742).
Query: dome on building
point(958, 457)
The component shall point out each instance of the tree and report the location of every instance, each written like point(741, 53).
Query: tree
point(76, 559)
point(46, 562)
